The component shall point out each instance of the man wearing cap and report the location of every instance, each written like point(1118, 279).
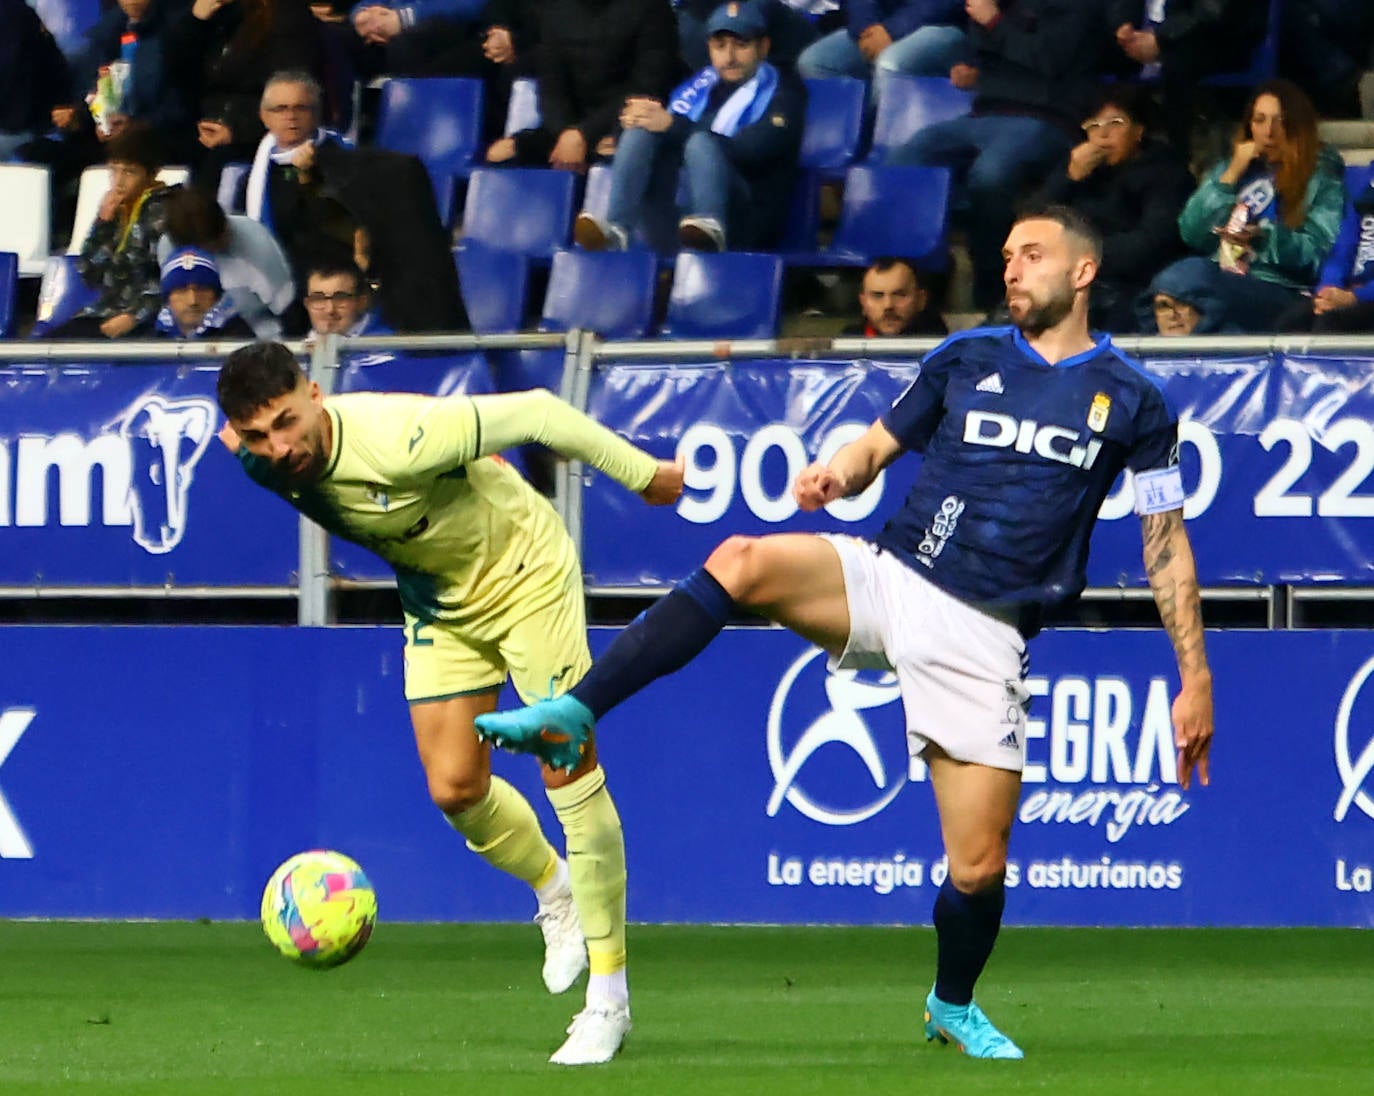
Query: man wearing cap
point(736, 129)
point(195, 305)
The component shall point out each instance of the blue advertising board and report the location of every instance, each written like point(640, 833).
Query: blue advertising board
point(110, 475)
point(1276, 456)
point(755, 786)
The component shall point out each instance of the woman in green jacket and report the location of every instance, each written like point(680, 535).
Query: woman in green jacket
point(1265, 218)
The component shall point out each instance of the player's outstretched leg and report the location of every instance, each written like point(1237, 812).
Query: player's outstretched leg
point(596, 865)
point(664, 638)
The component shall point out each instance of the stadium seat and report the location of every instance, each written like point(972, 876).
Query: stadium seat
point(523, 110)
point(910, 103)
point(495, 287)
point(834, 123)
point(68, 21)
point(439, 120)
point(9, 285)
point(61, 295)
point(730, 295)
point(95, 181)
point(233, 187)
point(609, 292)
point(888, 210)
point(25, 216)
point(527, 210)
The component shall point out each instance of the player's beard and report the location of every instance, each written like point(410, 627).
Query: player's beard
point(1040, 316)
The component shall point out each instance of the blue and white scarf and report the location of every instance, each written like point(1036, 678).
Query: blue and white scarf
point(257, 200)
point(744, 107)
point(217, 317)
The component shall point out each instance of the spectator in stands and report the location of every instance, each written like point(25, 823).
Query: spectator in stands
point(220, 53)
point(1131, 187)
point(916, 37)
point(790, 30)
point(735, 128)
point(1344, 300)
point(33, 76)
point(119, 257)
point(287, 187)
point(1326, 46)
point(1264, 219)
point(1181, 300)
point(339, 302)
point(1036, 71)
point(251, 265)
point(195, 305)
point(594, 55)
point(895, 303)
point(492, 40)
point(120, 75)
point(1183, 41)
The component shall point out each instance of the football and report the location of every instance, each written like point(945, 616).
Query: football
point(318, 908)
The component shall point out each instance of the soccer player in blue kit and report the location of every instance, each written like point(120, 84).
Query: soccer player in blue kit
point(1023, 430)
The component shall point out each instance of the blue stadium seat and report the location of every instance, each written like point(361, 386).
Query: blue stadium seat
point(528, 210)
point(61, 295)
point(910, 103)
point(523, 109)
point(1264, 62)
point(888, 210)
point(730, 295)
point(834, 123)
point(439, 120)
point(9, 285)
point(609, 292)
point(495, 287)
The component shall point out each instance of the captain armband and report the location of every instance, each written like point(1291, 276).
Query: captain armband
point(1158, 490)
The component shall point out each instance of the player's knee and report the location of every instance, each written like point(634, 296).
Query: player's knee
point(455, 792)
point(980, 875)
point(735, 565)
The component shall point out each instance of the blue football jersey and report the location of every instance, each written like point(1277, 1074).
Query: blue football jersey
point(1018, 455)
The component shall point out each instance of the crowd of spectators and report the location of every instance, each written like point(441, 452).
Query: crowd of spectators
point(698, 108)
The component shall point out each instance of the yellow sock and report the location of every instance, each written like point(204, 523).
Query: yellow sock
point(596, 864)
point(502, 829)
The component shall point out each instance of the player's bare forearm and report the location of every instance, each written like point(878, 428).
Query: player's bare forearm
point(1172, 573)
point(857, 464)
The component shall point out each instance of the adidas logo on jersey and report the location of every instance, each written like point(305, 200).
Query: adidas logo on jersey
point(1009, 741)
point(991, 383)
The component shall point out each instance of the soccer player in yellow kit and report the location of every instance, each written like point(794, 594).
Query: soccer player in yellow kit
point(490, 584)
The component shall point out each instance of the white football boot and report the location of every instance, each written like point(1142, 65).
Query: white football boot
point(565, 948)
point(594, 1036)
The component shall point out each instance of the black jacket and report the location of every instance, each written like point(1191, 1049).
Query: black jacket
point(1135, 206)
point(1040, 58)
point(33, 72)
point(596, 53)
point(1204, 35)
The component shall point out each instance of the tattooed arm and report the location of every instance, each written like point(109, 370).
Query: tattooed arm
point(1173, 580)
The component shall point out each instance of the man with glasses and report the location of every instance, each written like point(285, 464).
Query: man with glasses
point(338, 301)
point(286, 184)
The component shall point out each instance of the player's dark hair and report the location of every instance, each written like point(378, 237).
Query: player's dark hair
point(195, 219)
point(1071, 221)
point(255, 375)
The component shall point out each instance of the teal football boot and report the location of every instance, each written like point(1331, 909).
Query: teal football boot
point(968, 1028)
point(555, 731)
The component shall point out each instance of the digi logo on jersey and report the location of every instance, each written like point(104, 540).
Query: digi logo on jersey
point(855, 713)
point(1099, 750)
point(146, 461)
point(1355, 767)
point(1056, 443)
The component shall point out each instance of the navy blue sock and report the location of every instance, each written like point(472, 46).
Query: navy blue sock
point(965, 929)
point(663, 638)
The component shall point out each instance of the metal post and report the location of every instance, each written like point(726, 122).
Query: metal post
point(314, 608)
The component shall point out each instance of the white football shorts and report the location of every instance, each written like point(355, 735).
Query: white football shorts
point(961, 671)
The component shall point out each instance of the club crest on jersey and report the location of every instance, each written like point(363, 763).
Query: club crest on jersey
point(377, 494)
point(1098, 412)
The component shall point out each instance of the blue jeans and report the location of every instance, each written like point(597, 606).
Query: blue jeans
point(994, 157)
point(1229, 302)
point(927, 51)
point(644, 184)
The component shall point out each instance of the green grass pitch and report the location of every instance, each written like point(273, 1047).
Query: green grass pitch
point(187, 1009)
